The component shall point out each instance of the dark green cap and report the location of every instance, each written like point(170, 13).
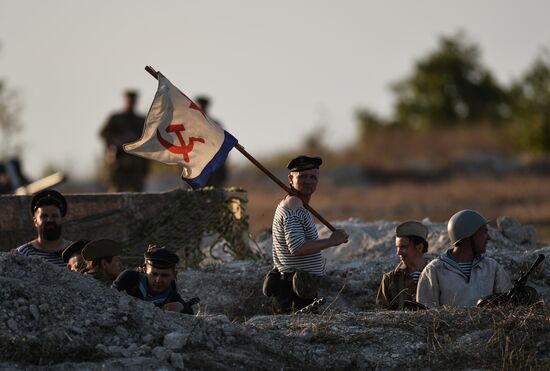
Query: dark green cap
point(104, 248)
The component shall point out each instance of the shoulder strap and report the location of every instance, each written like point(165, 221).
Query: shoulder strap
point(401, 286)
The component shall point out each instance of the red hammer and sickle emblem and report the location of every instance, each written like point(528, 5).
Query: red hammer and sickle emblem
point(184, 148)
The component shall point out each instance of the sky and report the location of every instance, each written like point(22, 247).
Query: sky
point(276, 70)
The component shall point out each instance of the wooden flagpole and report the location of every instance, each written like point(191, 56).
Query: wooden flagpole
point(241, 149)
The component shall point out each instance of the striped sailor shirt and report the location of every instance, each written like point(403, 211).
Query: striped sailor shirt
point(415, 276)
point(465, 268)
point(53, 257)
point(291, 228)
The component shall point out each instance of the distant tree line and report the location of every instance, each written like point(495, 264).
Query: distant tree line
point(10, 126)
point(450, 87)
point(9, 123)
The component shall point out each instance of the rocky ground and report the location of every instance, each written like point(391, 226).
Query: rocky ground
point(54, 319)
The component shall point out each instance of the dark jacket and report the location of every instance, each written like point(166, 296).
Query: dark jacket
point(129, 281)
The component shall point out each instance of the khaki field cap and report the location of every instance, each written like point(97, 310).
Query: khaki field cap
point(464, 224)
point(97, 249)
point(412, 228)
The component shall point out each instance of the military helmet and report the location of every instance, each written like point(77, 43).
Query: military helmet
point(464, 224)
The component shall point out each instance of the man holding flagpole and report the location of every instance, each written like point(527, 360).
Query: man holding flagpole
point(296, 244)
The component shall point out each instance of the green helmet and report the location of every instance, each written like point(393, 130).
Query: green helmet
point(464, 224)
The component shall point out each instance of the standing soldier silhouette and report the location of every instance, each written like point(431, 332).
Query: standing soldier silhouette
point(220, 175)
point(125, 172)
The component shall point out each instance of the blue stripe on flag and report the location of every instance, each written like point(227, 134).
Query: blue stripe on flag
point(219, 158)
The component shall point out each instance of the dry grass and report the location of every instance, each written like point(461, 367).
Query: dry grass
point(524, 197)
point(519, 335)
point(506, 338)
point(425, 159)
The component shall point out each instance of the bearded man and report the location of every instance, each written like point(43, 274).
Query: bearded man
point(48, 208)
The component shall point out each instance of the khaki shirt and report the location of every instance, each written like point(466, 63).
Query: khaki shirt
point(396, 287)
point(100, 276)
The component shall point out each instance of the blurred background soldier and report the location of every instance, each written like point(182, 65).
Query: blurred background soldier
point(11, 175)
point(125, 172)
point(397, 289)
point(219, 176)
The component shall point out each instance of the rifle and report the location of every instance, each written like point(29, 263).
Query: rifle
point(519, 294)
point(312, 308)
point(413, 305)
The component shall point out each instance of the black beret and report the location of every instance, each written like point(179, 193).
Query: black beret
point(74, 248)
point(161, 258)
point(104, 248)
point(49, 197)
point(301, 163)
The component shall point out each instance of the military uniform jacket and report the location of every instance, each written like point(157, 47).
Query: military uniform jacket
point(129, 281)
point(443, 283)
point(396, 287)
point(100, 276)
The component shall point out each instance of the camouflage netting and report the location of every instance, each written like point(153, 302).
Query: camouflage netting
point(190, 217)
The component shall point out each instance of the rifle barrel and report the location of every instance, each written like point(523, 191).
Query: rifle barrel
point(523, 279)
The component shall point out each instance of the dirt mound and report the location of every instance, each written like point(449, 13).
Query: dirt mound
point(435, 339)
point(53, 317)
point(60, 320)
